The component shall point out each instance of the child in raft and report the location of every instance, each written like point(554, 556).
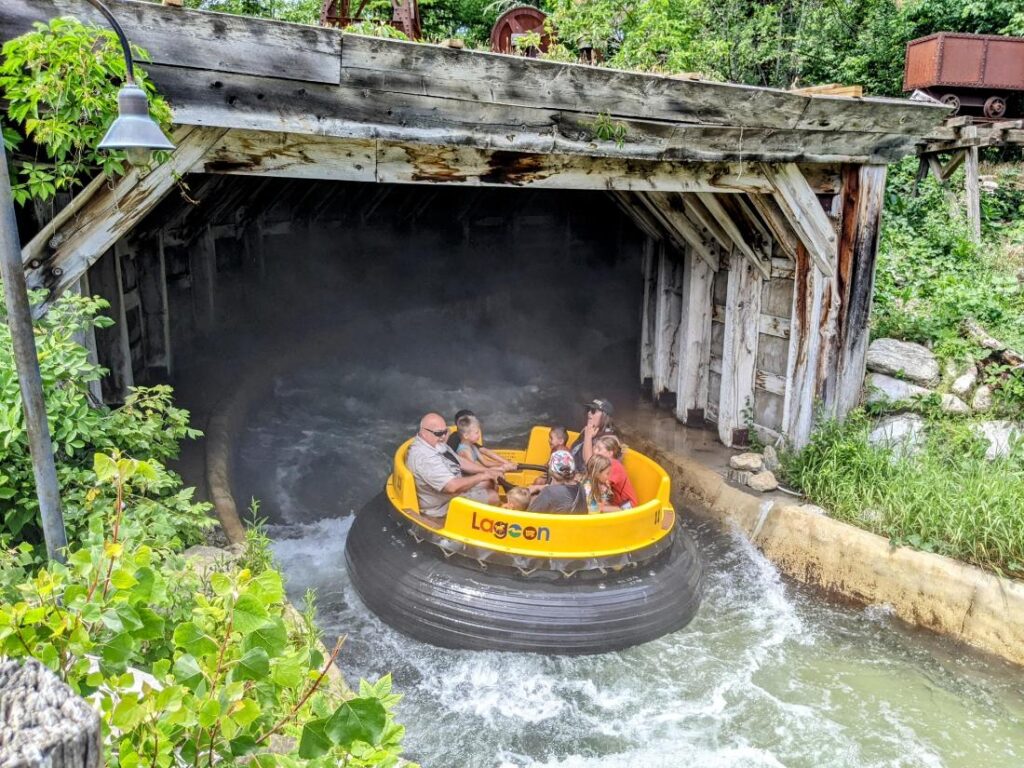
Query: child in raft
point(517, 499)
point(471, 445)
point(612, 478)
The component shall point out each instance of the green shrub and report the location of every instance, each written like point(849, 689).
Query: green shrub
point(146, 427)
point(947, 498)
point(184, 670)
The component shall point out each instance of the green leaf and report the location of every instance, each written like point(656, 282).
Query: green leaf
point(249, 614)
point(271, 637)
point(191, 638)
point(288, 671)
point(117, 650)
point(314, 741)
point(104, 467)
point(246, 713)
point(209, 713)
point(152, 624)
point(361, 719)
point(254, 665)
point(187, 671)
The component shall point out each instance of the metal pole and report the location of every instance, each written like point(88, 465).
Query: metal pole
point(19, 320)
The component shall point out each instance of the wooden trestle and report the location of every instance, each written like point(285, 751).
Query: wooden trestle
point(761, 207)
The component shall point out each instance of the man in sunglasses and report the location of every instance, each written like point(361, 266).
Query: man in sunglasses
point(441, 474)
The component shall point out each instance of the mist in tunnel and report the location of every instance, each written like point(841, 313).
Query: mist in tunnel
point(343, 329)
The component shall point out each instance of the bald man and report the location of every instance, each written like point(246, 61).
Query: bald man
point(440, 473)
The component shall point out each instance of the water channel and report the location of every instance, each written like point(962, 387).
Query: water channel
point(768, 674)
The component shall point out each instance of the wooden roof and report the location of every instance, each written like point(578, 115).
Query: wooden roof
point(259, 75)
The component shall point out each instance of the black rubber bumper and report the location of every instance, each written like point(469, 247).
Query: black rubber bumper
point(451, 604)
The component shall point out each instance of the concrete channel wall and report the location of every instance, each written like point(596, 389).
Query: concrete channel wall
point(924, 589)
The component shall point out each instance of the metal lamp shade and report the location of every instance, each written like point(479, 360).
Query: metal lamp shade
point(134, 129)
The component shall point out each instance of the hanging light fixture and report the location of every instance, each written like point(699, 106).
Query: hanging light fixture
point(134, 131)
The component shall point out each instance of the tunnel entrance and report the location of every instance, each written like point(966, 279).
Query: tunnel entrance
point(386, 300)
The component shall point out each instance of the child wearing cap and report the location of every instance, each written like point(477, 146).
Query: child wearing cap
point(563, 494)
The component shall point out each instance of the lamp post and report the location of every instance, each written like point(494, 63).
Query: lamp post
point(136, 133)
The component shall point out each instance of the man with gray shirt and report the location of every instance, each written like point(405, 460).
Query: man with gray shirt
point(441, 474)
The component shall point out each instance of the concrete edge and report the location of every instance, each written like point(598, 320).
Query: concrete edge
point(924, 589)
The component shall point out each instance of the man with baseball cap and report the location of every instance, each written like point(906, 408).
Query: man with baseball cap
point(599, 422)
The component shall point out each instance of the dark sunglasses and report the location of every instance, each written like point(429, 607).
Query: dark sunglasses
point(436, 432)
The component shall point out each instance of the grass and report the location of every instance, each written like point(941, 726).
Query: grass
point(947, 498)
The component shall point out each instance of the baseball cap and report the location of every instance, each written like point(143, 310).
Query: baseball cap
point(562, 465)
point(600, 404)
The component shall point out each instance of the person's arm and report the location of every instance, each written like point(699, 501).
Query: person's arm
point(470, 466)
point(492, 459)
point(462, 484)
point(589, 432)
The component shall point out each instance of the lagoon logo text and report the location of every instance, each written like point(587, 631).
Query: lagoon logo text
point(499, 529)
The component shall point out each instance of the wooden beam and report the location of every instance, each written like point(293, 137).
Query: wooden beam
point(156, 326)
point(667, 317)
point(775, 220)
point(59, 255)
point(863, 198)
point(669, 210)
point(648, 310)
point(694, 340)
point(87, 339)
point(973, 189)
point(113, 349)
point(739, 348)
point(738, 234)
point(804, 213)
point(202, 263)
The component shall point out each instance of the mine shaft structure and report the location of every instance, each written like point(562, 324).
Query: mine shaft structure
point(759, 208)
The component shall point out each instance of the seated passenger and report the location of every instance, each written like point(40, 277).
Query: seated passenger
point(471, 445)
point(563, 494)
point(599, 422)
point(517, 498)
point(623, 494)
point(453, 438)
point(439, 472)
point(558, 439)
point(609, 495)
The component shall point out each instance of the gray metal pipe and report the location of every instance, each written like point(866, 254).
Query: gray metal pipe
point(19, 320)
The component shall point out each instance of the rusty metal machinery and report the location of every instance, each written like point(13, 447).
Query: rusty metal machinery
point(967, 71)
point(516, 23)
point(405, 15)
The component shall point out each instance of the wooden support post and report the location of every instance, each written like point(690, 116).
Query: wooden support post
point(202, 260)
point(156, 327)
point(87, 339)
point(252, 243)
point(650, 277)
point(797, 200)
point(739, 349)
point(863, 196)
point(694, 340)
point(971, 181)
point(666, 326)
point(112, 344)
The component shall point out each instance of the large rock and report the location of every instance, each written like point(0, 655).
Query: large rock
point(747, 462)
point(901, 433)
point(1001, 436)
point(763, 481)
point(912, 362)
point(886, 389)
point(982, 398)
point(965, 382)
point(771, 458)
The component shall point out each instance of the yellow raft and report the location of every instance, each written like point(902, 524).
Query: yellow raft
point(495, 578)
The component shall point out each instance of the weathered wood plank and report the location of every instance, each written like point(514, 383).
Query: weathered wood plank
point(669, 211)
point(638, 214)
point(773, 218)
point(804, 213)
point(239, 101)
point(738, 233)
point(649, 308)
point(87, 339)
point(58, 256)
point(112, 344)
point(156, 325)
point(257, 153)
point(199, 39)
point(973, 190)
point(739, 349)
point(862, 203)
point(770, 382)
point(667, 318)
point(694, 340)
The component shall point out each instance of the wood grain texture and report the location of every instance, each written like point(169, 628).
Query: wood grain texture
point(649, 267)
point(667, 319)
point(804, 213)
point(739, 347)
point(694, 340)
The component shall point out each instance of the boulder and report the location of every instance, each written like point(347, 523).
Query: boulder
point(912, 362)
point(902, 433)
point(965, 382)
point(982, 398)
point(1001, 436)
point(771, 458)
point(886, 389)
point(763, 481)
point(747, 462)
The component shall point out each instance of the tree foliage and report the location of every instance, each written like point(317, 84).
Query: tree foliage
point(60, 82)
